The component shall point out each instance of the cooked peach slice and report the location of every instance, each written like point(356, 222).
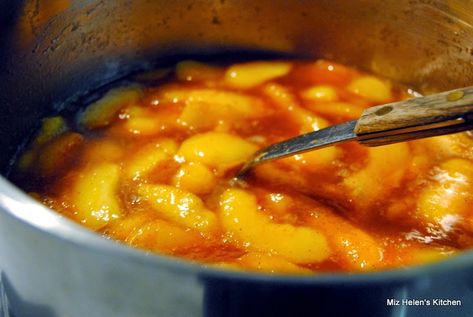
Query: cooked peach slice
point(240, 217)
point(215, 149)
point(57, 154)
point(338, 110)
point(101, 113)
point(179, 206)
point(103, 150)
point(163, 237)
point(148, 158)
point(425, 255)
point(125, 227)
point(205, 108)
point(384, 171)
point(371, 88)
point(50, 128)
point(194, 177)
point(314, 159)
point(285, 101)
point(449, 196)
point(458, 144)
point(320, 93)
point(95, 195)
point(248, 75)
point(352, 247)
point(267, 262)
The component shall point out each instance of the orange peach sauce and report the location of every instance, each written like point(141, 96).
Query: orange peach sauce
point(150, 164)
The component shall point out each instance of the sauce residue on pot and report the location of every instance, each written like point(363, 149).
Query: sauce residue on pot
point(150, 164)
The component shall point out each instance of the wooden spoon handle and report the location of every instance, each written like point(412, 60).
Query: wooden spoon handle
point(443, 113)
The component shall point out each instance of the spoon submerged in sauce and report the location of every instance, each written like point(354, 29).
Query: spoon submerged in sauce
point(438, 114)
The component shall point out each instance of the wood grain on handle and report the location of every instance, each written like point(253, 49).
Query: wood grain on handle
point(418, 115)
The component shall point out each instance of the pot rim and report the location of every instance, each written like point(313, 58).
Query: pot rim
point(17, 204)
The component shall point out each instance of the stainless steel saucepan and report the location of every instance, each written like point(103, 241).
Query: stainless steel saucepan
point(52, 50)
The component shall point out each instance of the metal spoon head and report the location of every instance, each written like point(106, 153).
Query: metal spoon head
point(303, 143)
